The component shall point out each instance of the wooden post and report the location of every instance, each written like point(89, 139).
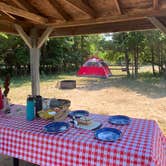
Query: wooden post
point(34, 43)
point(35, 62)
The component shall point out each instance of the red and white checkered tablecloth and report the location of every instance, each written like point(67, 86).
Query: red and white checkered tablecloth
point(142, 143)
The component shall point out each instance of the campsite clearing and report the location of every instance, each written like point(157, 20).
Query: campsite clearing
point(141, 98)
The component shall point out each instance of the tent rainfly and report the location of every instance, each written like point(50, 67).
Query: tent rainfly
point(36, 20)
point(94, 67)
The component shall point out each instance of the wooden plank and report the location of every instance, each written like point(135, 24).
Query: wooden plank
point(60, 10)
point(22, 13)
point(104, 28)
point(158, 24)
point(7, 28)
point(80, 5)
point(109, 19)
point(23, 35)
point(156, 4)
point(118, 7)
point(44, 36)
point(9, 15)
point(19, 4)
point(24, 4)
point(90, 21)
point(3, 16)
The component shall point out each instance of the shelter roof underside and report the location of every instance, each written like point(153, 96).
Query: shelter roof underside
point(74, 17)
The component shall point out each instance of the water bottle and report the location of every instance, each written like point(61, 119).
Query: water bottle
point(38, 104)
point(30, 108)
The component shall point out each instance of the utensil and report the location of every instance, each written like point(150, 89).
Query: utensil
point(119, 120)
point(56, 127)
point(108, 134)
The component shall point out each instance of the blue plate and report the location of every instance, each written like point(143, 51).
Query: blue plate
point(119, 120)
point(79, 113)
point(108, 134)
point(56, 127)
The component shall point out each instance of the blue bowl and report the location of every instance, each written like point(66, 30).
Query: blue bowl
point(108, 134)
point(79, 113)
point(56, 127)
point(119, 120)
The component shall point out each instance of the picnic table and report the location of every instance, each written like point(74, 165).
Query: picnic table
point(142, 143)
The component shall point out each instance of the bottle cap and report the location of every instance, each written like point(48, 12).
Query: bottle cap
point(30, 97)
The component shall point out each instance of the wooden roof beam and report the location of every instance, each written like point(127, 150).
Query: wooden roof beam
point(9, 15)
point(82, 6)
point(23, 35)
point(156, 4)
point(24, 4)
point(19, 4)
point(158, 24)
point(7, 27)
point(22, 13)
point(60, 10)
point(5, 17)
point(104, 28)
point(101, 20)
point(44, 36)
point(118, 7)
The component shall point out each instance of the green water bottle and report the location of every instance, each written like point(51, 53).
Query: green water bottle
point(30, 108)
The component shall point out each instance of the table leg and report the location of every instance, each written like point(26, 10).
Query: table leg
point(15, 162)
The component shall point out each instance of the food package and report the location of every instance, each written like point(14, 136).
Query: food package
point(47, 114)
point(60, 103)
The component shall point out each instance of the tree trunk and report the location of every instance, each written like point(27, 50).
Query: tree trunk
point(127, 63)
point(136, 61)
point(153, 69)
point(133, 67)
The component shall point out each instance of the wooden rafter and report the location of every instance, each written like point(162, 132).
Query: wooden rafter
point(4, 17)
point(22, 13)
point(158, 24)
point(60, 10)
point(80, 5)
point(24, 4)
point(19, 4)
point(24, 36)
point(9, 15)
point(156, 4)
point(118, 7)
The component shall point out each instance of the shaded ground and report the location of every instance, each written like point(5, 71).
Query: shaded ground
point(141, 98)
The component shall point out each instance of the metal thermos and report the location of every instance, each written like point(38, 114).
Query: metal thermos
point(38, 104)
point(30, 108)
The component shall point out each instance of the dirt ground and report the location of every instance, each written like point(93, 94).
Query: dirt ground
point(118, 96)
point(141, 98)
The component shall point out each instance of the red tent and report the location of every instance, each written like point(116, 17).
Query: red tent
point(94, 67)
